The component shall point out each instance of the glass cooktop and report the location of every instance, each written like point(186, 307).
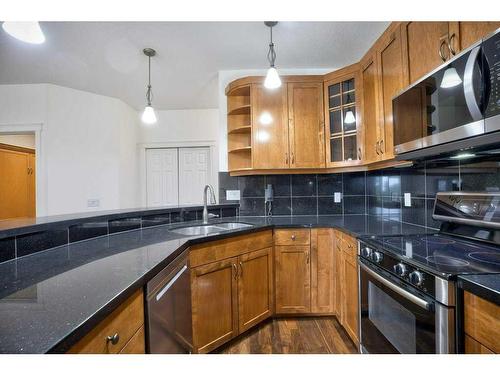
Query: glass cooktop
point(443, 253)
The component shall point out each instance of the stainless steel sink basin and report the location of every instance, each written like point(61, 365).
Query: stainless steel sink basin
point(199, 230)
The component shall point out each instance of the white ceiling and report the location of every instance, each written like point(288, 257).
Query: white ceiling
point(106, 57)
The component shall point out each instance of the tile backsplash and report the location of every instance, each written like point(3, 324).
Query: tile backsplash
point(376, 193)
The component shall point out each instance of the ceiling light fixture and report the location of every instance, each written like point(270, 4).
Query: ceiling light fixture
point(149, 116)
point(272, 80)
point(29, 32)
point(450, 78)
point(349, 115)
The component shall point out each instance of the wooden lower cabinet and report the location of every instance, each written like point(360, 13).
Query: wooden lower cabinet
point(350, 298)
point(322, 271)
point(481, 325)
point(293, 279)
point(230, 296)
point(255, 288)
point(120, 332)
point(214, 299)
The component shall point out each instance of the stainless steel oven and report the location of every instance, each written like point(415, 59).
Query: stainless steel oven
point(396, 317)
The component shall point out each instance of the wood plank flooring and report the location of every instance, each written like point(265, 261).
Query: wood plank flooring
point(318, 335)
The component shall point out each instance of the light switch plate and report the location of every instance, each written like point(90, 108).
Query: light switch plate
point(232, 195)
point(93, 202)
point(337, 197)
point(407, 199)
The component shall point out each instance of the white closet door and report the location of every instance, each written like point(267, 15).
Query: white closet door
point(162, 177)
point(194, 174)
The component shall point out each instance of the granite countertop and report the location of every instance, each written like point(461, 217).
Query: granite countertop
point(50, 299)
point(486, 286)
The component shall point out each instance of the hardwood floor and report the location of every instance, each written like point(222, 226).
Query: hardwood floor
point(318, 335)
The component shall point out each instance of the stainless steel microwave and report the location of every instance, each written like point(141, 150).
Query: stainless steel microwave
point(455, 107)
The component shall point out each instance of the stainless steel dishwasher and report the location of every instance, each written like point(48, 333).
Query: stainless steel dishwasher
point(169, 309)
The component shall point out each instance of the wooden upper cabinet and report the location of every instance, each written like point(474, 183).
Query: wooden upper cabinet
point(463, 34)
point(392, 78)
point(423, 41)
point(214, 304)
point(306, 126)
point(322, 271)
point(371, 121)
point(343, 114)
point(255, 288)
point(293, 279)
point(269, 127)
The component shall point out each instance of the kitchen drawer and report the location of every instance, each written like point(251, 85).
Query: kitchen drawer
point(482, 321)
point(230, 247)
point(286, 237)
point(124, 322)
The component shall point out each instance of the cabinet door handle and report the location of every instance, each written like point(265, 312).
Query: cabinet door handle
point(450, 44)
point(442, 48)
point(113, 339)
point(359, 153)
point(376, 148)
point(241, 269)
point(235, 271)
point(293, 237)
point(307, 257)
point(286, 157)
point(293, 158)
point(381, 146)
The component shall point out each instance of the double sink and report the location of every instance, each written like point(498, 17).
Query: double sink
point(200, 230)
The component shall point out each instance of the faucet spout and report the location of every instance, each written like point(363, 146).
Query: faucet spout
point(213, 200)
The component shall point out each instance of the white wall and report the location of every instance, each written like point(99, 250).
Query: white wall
point(88, 145)
point(225, 77)
point(21, 140)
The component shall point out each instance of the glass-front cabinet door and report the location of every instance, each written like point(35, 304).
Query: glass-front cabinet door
point(343, 141)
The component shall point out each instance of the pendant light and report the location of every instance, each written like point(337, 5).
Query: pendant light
point(272, 80)
point(29, 32)
point(450, 78)
point(149, 116)
point(349, 115)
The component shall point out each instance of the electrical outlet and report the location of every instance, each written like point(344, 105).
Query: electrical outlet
point(232, 195)
point(337, 197)
point(93, 202)
point(407, 199)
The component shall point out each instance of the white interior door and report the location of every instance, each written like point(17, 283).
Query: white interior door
point(194, 174)
point(162, 180)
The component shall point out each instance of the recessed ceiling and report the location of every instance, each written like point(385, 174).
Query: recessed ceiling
point(106, 57)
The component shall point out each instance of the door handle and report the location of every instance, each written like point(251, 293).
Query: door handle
point(450, 44)
point(381, 146)
point(241, 269)
point(286, 157)
point(442, 48)
point(235, 271)
point(170, 283)
point(293, 158)
point(376, 148)
point(470, 98)
point(307, 257)
point(359, 153)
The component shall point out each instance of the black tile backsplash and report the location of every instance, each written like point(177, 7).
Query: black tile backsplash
point(304, 205)
point(251, 186)
point(304, 185)
point(354, 205)
point(282, 185)
point(34, 242)
point(354, 184)
point(84, 231)
point(252, 207)
point(328, 184)
point(7, 249)
point(153, 220)
point(327, 206)
point(121, 225)
point(282, 206)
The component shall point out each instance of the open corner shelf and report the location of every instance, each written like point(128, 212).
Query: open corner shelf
point(240, 110)
point(240, 129)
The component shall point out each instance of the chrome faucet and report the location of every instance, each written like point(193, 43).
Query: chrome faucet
point(206, 215)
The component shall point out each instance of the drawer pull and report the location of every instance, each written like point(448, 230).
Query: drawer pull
point(235, 271)
point(293, 237)
point(113, 339)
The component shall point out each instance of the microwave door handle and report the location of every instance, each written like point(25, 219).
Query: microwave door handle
point(470, 98)
point(162, 292)
point(402, 292)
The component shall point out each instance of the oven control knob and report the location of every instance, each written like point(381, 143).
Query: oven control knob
point(400, 269)
point(366, 252)
point(377, 257)
point(416, 278)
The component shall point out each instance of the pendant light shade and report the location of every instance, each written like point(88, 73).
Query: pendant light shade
point(450, 78)
point(272, 80)
point(349, 117)
point(29, 32)
point(149, 116)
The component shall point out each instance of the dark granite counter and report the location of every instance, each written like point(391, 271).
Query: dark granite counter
point(52, 298)
point(484, 286)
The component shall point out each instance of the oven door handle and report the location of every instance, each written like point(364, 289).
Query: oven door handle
point(402, 292)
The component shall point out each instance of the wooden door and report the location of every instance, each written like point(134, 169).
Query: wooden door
point(214, 304)
point(392, 79)
point(255, 288)
point(465, 33)
point(351, 302)
point(17, 182)
point(370, 111)
point(293, 279)
point(339, 278)
point(422, 41)
point(306, 125)
point(322, 271)
point(269, 127)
